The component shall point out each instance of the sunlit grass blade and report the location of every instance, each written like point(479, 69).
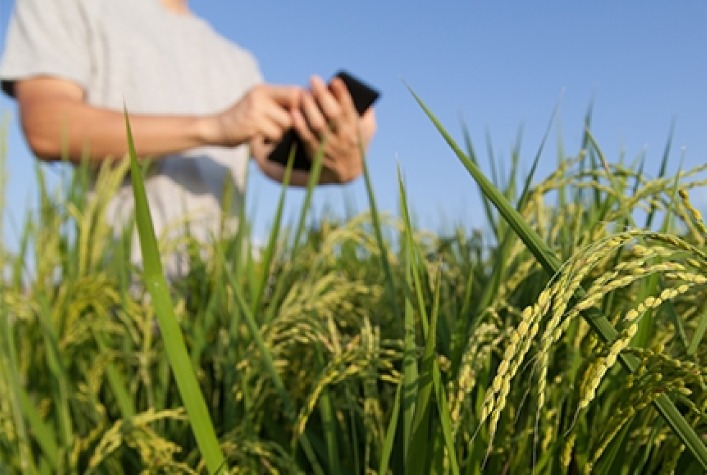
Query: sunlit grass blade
point(378, 231)
point(418, 387)
point(391, 431)
point(444, 420)
point(327, 411)
point(504, 237)
point(423, 434)
point(610, 456)
point(662, 171)
point(551, 264)
point(22, 407)
point(274, 236)
point(60, 379)
point(414, 260)
point(175, 347)
point(525, 192)
point(313, 179)
point(699, 333)
point(409, 370)
point(534, 243)
point(269, 251)
point(614, 183)
point(471, 152)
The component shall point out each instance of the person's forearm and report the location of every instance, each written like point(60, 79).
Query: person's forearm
point(63, 129)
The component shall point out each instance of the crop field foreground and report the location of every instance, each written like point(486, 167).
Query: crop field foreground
point(565, 337)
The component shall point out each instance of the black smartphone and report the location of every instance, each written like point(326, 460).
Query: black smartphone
point(363, 97)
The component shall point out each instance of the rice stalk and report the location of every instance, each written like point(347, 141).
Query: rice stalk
point(599, 322)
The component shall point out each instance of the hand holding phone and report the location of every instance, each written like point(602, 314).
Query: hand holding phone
point(363, 97)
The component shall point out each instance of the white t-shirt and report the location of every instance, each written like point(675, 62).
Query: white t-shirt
point(137, 54)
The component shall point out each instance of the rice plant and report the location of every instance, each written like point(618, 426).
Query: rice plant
point(566, 336)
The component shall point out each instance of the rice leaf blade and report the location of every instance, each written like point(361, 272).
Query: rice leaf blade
point(390, 434)
point(273, 238)
point(551, 264)
point(175, 347)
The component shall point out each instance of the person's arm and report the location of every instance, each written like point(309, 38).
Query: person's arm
point(59, 124)
point(328, 116)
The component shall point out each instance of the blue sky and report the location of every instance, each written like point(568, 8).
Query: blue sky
point(502, 66)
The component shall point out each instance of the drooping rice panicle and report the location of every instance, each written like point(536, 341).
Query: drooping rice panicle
point(477, 351)
point(303, 338)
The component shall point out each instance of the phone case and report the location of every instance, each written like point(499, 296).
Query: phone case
point(363, 97)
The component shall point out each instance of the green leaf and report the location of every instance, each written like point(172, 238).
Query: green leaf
point(599, 323)
point(175, 347)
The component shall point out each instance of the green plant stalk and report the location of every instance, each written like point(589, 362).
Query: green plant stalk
point(391, 431)
point(21, 405)
point(609, 458)
point(445, 417)
point(420, 454)
point(418, 446)
point(116, 381)
point(614, 182)
point(667, 224)
point(389, 442)
point(272, 240)
point(327, 412)
point(377, 229)
point(290, 410)
point(662, 170)
point(251, 311)
point(413, 258)
point(699, 333)
point(410, 370)
point(175, 347)
point(503, 236)
point(60, 378)
point(599, 323)
point(313, 179)
point(49, 335)
point(488, 209)
point(354, 431)
point(422, 450)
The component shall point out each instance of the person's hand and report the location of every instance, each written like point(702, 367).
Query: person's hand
point(327, 117)
point(263, 114)
point(324, 116)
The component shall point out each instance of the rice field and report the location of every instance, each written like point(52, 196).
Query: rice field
point(566, 337)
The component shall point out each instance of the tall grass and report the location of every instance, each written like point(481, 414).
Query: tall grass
point(565, 337)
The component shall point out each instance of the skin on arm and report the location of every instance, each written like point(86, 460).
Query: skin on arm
point(59, 124)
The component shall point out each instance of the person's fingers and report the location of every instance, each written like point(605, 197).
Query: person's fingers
point(272, 106)
point(305, 132)
point(343, 96)
point(285, 96)
point(328, 103)
point(273, 130)
point(274, 115)
point(314, 115)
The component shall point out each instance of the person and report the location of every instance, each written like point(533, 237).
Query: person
point(198, 106)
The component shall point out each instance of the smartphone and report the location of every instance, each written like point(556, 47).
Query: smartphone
point(363, 97)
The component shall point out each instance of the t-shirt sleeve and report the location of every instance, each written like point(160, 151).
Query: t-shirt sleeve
point(254, 76)
point(45, 38)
